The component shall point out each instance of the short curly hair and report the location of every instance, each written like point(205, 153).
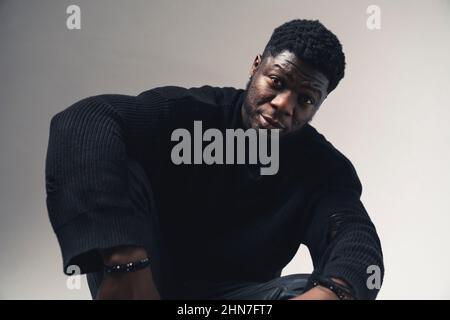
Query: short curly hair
point(312, 43)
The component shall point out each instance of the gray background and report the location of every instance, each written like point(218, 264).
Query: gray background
point(390, 114)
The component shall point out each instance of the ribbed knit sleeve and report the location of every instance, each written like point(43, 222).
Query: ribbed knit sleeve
point(86, 173)
point(341, 237)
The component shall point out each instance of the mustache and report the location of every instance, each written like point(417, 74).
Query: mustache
point(273, 120)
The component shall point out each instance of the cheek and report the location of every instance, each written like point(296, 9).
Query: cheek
point(302, 116)
point(261, 92)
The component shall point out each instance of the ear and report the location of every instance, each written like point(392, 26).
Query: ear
point(255, 65)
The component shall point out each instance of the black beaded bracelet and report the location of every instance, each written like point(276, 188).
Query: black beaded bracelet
point(340, 291)
point(128, 267)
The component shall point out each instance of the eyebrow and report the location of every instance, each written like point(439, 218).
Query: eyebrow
point(289, 75)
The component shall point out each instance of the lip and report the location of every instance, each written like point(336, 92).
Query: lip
point(272, 122)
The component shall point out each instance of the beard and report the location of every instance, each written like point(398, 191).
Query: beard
point(249, 106)
point(252, 107)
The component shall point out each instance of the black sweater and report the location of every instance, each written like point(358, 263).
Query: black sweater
point(220, 222)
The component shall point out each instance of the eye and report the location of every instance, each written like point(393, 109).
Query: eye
point(277, 83)
point(306, 100)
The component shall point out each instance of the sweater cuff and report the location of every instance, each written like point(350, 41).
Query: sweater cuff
point(82, 238)
point(356, 283)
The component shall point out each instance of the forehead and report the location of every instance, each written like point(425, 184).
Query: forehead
point(296, 70)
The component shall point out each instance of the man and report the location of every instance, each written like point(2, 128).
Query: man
point(143, 227)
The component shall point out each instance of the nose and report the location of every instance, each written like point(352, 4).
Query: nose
point(284, 102)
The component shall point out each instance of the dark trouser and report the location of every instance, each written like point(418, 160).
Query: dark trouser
point(142, 198)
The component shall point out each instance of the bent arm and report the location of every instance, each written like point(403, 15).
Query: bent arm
point(341, 237)
point(86, 174)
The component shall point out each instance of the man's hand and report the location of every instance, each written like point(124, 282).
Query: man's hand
point(132, 285)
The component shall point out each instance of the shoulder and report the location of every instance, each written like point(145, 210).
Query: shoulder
point(168, 95)
point(220, 96)
point(332, 164)
point(322, 148)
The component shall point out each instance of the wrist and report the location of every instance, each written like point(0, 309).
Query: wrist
point(122, 255)
point(317, 293)
point(326, 293)
point(337, 287)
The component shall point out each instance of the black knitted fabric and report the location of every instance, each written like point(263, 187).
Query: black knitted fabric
point(219, 222)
